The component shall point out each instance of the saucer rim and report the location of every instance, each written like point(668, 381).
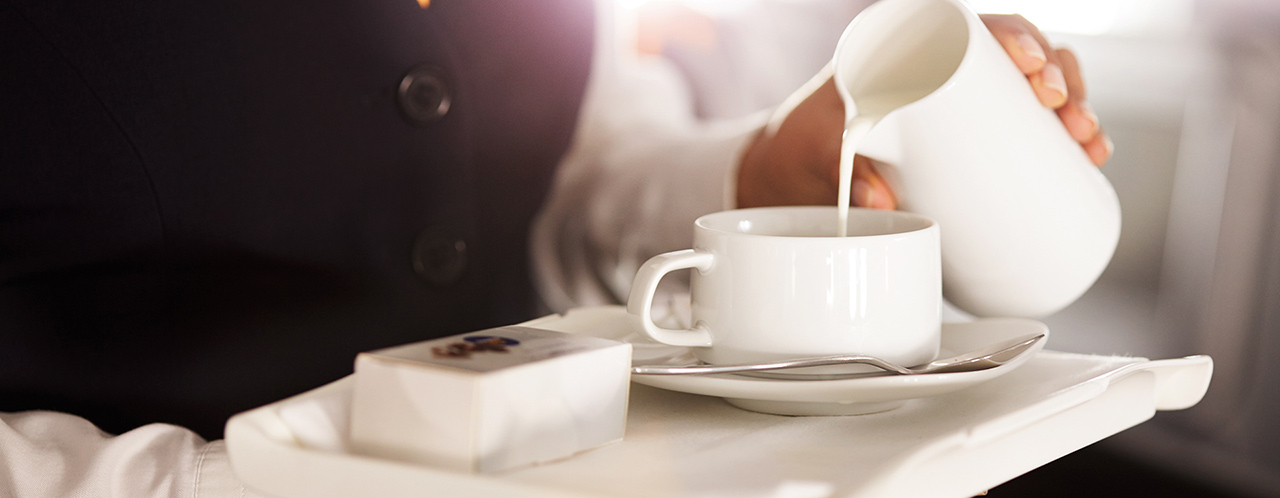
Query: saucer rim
point(863, 389)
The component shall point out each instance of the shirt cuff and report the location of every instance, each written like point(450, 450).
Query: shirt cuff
point(214, 477)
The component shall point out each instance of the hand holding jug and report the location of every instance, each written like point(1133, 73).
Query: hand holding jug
point(1027, 222)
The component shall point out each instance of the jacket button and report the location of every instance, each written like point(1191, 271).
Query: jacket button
point(439, 258)
point(423, 96)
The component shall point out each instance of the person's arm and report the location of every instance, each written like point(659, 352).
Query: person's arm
point(641, 169)
point(54, 455)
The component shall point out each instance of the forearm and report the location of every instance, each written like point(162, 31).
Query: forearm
point(616, 206)
point(641, 169)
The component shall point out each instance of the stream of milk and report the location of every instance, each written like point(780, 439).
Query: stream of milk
point(855, 128)
point(860, 117)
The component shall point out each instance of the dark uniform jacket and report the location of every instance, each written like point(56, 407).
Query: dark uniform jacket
point(208, 206)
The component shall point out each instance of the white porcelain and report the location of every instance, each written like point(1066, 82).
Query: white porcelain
point(849, 396)
point(1028, 222)
point(773, 284)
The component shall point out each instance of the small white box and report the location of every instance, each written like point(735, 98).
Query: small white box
point(490, 400)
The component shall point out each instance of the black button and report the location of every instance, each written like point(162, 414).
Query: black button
point(439, 258)
point(423, 95)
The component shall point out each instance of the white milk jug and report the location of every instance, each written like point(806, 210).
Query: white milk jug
point(1027, 221)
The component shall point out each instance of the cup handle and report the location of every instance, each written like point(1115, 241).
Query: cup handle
point(640, 302)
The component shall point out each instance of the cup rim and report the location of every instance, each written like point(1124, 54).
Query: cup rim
point(702, 222)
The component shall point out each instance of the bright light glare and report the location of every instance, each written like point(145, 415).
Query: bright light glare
point(1089, 17)
point(711, 7)
point(1085, 17)
point(1093, 17)
point(631, 4)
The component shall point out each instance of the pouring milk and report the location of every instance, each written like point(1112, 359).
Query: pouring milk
point(860, 118)
point(1027, 222)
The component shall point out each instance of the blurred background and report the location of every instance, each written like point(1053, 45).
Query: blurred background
point(1189, 90)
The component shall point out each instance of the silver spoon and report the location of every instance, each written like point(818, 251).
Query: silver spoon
point(988, 357)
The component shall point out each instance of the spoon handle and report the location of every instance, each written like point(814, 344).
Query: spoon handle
point(989, 357)
point(757, 367)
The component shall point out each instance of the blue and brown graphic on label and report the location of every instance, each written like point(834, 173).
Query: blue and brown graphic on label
point(474, 344)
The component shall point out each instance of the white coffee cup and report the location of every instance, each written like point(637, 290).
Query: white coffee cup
point(1029, 223)
point(776, 283)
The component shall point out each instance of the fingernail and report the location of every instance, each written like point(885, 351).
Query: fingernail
point(1030, 46)
point(1100, 158)
point(863, 193)
point(1053, 79)
point(1087, 111)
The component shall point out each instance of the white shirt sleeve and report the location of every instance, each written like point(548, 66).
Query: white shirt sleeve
point(642, 168)
point(49, 454)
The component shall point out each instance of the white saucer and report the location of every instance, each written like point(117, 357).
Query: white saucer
point(853, 396)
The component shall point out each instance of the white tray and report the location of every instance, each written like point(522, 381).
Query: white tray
point(677, 444)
